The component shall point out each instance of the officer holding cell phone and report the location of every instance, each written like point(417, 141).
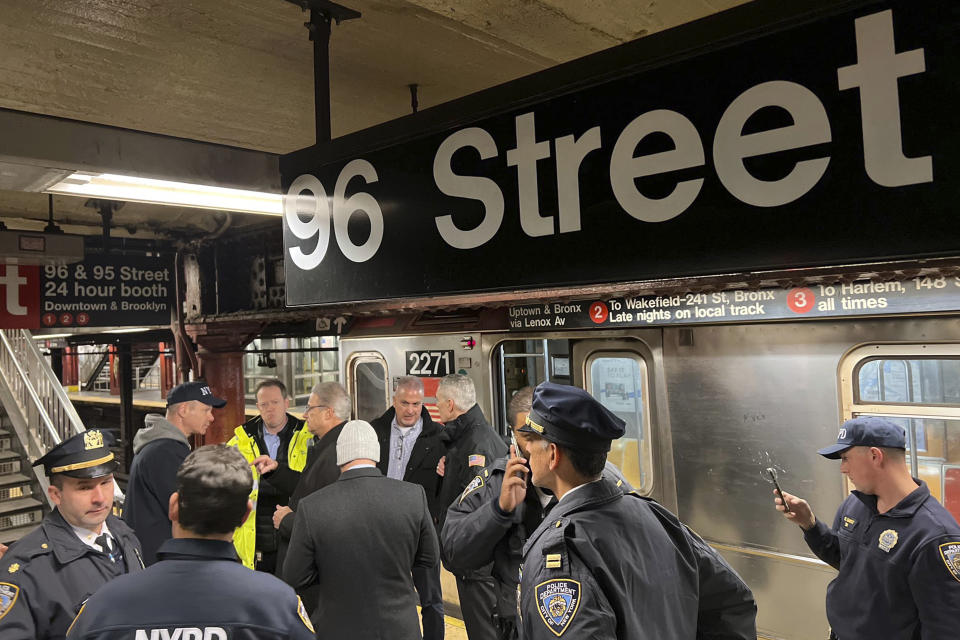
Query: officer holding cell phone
point(499, 509)
point(896, 548)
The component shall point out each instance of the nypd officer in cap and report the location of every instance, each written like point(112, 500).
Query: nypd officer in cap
point(47, 575)
point(481, 527)
point(605, 564)
point(896, 548)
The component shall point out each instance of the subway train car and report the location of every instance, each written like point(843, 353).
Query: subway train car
point(708, 409)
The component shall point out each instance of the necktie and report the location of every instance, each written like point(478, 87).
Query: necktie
point(110, 549)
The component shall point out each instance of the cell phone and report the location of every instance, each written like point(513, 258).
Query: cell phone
point(776, 485)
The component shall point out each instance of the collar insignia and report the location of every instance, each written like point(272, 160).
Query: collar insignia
point(8, 596)
point(13, 568)
point(92, 440)
point(557, 603)
point(888, 540)
point(475, 484)
point(849, 523)
point(950, 554)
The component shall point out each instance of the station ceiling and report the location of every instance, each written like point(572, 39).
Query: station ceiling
point(240, 72)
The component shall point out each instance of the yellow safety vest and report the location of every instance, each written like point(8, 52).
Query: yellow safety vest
point(245, 536)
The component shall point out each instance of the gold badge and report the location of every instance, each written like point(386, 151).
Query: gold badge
point(888, 540)
point(92, 440)
point(13, 568)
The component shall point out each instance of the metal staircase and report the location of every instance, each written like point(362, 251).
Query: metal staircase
point(36, 415)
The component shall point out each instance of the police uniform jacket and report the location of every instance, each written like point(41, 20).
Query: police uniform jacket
point(47, 575)
point(472, 444)
point(605, 564)
point(197, 590)
point(899, 571)
point(477, 531)
point(422, 466)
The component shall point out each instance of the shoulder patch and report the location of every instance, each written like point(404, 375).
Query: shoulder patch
point(475, 484)
point(8, 597)
point(304, 618)
point(476, 460)
point(558, 602)
point(950, 554)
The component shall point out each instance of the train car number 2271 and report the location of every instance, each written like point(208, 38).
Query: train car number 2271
point(429, 363)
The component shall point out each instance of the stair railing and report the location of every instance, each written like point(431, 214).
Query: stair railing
point(46, 414)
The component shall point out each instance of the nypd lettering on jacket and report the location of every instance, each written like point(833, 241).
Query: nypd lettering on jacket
point(531, 172)
point(182, 633)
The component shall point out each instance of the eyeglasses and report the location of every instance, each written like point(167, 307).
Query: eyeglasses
point(311, 407)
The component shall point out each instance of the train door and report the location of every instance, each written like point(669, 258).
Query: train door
point(367, 376)
point(621, 372)
point(917, 386)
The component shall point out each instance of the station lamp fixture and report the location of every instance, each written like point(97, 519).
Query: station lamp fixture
point(132, 189)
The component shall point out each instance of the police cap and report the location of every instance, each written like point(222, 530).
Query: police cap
point(84, 455)
point(199, 391)
point(866, 431)
point(571, 417)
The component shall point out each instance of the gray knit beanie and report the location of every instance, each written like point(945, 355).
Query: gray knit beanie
point(357, 440)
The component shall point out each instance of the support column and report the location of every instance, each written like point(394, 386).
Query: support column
point(221, 365)
point(56, 363)
point(124, 370)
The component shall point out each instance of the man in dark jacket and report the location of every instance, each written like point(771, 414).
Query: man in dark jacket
point(47, 575)
point(472, 444)
point(478, 531)
point(410, 450)
point(605, 564)
point(364, 556)
point(198, 589)
point(159, 449)
point(328, 408)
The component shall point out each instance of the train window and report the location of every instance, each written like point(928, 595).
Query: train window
point(918, 387)
point(299, 362)
point(368, 385)
point(618, 381)
point(523, 363)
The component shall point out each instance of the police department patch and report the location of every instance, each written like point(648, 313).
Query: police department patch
point(475, 484)
point(8, 596)
point(557, 602)
point(302, 612)
point(950, 554)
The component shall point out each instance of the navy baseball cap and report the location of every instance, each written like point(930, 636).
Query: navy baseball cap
point(198, 391)
point(84, 455)
point(571, 417)
point(866, 431)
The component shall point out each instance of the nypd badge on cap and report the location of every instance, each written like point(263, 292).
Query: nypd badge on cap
point(84, 455)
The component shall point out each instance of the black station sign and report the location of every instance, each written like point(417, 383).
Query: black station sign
point(853, 299)
point(827, 137)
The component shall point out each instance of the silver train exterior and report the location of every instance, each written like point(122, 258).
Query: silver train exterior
point(721, 403)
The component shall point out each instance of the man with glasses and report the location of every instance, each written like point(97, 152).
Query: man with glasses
point(410, 450)
point(275, 445)
point(328, 409)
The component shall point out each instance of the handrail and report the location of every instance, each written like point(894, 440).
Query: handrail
point(54, 384)
point(25, 386)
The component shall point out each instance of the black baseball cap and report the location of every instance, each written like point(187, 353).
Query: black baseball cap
point(84, 455)
point(866, 431)
point(571, 417)
point(198, 390)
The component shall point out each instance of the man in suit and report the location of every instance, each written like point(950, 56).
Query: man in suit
point(410, 450)
point(363, 558)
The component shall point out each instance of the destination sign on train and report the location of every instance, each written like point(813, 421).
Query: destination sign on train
point(917, 295)
point(768, 151)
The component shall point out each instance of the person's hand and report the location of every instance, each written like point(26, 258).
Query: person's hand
point(800, 512)
point(442, 466)
point(265, 464)
point(279, 515)
point(514, 487)
point(3, 550)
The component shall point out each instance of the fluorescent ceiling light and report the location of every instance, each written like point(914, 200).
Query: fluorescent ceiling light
point(130, 330)
point(115, 187)
point(51, 336)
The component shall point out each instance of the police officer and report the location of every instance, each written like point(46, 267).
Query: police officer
point(47, 575)
point(896, 548)
point(199, 589)
point(479, 530)
point(605, 564)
